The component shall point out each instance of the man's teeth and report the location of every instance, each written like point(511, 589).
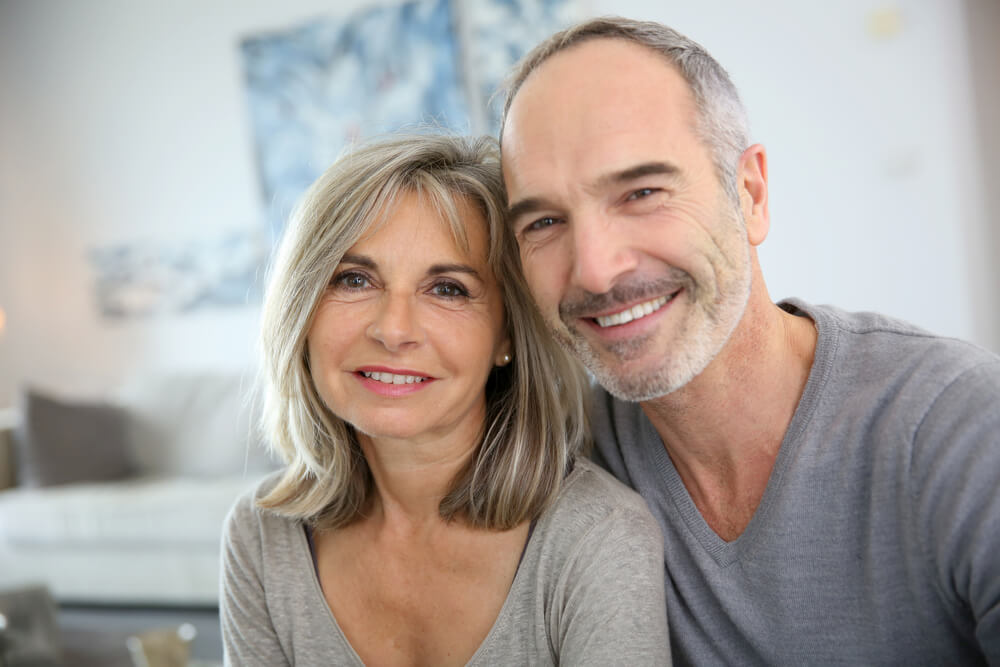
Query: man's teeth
point(633, 313)
point(392, 378)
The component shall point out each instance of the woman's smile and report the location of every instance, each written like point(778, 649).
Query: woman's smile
point(410, 327)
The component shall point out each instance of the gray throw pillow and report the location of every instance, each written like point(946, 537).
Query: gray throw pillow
point(61, 442)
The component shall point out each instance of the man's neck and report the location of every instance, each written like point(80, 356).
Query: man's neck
point(723, 430)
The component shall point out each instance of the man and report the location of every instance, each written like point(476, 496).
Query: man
point(827, 482)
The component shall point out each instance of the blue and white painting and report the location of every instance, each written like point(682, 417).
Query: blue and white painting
point(420, 65)
point(322, 86)
point(313, 90)
point(499, 33)
point(143, 279)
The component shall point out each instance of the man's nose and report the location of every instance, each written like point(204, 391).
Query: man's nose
point(602, 253)
point(396, 322)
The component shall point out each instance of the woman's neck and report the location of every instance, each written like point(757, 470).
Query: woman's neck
point(412, 477)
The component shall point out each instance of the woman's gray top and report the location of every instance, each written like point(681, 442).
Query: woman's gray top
point(588, 590)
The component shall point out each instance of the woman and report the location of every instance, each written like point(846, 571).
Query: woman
point(433, 510)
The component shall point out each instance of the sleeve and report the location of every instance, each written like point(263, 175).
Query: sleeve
point(957, 455)
point(248, 636)
point(611, 609)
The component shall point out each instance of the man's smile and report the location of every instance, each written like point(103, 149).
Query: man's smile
point(636, 312)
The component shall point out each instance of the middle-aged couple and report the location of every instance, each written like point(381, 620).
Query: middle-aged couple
point(822, 486)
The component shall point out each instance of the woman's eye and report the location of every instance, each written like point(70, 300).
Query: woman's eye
point(351, 280)
point(449, 290)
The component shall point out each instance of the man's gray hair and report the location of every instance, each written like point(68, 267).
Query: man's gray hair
point(722, 119)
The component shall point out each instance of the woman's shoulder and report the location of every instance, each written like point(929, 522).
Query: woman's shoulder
point(593, 490)
point(595, 546)
point(247, 519)
point(591, 497)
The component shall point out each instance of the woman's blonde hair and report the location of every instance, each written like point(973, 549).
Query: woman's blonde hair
point(535, 423)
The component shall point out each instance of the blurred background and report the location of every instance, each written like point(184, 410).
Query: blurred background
point(127, 133)
point(150, 153)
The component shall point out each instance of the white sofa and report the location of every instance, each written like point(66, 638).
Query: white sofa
point(151, 537)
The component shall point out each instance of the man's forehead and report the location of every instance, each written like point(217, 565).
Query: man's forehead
point(599, 107)
point(594, 63)
point(593, 86)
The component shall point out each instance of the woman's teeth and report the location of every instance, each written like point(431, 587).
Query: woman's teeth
point(633, 313)
point(392, 378)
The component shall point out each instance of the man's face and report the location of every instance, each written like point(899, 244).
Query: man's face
point(637, 259)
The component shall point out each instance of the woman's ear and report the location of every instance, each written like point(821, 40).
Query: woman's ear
point(503, 354)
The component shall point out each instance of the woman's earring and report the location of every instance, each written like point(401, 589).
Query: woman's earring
point(506, 360)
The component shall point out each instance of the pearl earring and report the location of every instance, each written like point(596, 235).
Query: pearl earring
point(506, 360)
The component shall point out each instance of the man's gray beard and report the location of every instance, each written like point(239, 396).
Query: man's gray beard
point(695, 350)
point(631, 387)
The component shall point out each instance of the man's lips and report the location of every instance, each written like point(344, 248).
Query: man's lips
point(632, 313)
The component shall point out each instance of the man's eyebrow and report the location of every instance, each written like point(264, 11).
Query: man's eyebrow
point(532, 204)
point(638, 171)
point(525, 206)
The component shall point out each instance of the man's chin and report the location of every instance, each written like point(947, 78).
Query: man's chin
point(627, 352)
point(635, 388)
point(627, 377)
point(638, 371)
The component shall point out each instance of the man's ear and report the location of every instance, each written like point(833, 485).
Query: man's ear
point(752, 182)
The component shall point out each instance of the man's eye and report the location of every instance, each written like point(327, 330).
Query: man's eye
point(541, 223)
point(449, 290)
point(351, 280)
point(642, 193)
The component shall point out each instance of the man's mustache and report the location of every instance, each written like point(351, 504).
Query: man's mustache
point(586, 304)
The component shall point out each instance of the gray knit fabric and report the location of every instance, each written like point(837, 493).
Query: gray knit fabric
point(588, 591)
point(877, 540)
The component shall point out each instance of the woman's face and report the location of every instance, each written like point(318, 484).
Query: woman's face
point(410, 327)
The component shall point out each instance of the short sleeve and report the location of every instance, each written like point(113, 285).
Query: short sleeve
point(248, 636)
point(957, 465)
point(610, 607)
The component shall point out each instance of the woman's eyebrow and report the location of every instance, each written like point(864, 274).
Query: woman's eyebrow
point(435, 269)
point(438, 269)
point(360, 260)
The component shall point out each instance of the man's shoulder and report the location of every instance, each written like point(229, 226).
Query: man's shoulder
point(869, 344)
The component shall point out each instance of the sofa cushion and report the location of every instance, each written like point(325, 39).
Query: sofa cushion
point(194, 425)
point(62, 442)
point(129, 514)
point(146, 542)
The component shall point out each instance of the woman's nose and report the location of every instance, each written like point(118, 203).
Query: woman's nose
point(396, 323)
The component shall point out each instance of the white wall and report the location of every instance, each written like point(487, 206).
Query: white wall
point(127, 120)
point(983, 23)
point(867, 111)
point(120, 121)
